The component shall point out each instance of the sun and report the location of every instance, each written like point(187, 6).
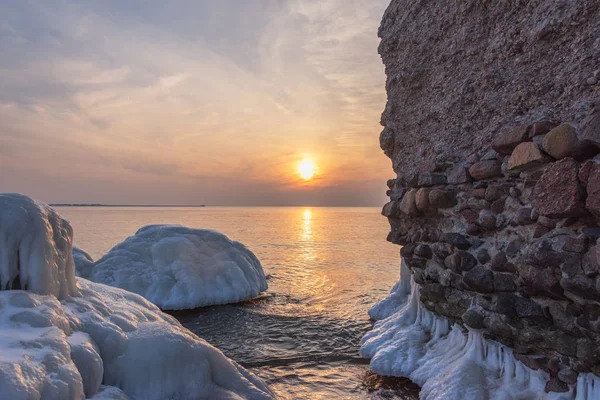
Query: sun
point(307, 169)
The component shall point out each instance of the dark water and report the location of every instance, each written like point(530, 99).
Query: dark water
point(326, 267)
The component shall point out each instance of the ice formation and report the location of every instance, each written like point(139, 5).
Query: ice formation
point(397, 297)
point(179, 268)
point(35, 248)
point(104, 343)
point(451, 363)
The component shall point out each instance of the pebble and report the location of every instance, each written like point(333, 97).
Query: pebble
point(592, 80)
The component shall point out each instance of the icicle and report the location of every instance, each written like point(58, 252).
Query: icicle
point(397, 297)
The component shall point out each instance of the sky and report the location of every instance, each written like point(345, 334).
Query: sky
point(192, 102)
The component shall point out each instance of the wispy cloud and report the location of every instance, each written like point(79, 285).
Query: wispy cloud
point(208, 96)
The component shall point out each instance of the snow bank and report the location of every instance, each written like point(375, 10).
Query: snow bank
point(397, 297)
point(179, 268)
point(102, 343)
point(63, 350)
point(35, 248)
point(451, 363)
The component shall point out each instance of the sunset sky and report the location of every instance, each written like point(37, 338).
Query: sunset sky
point(192, 102)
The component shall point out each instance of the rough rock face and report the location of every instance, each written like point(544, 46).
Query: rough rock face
point(461, 73)
point(492, 127)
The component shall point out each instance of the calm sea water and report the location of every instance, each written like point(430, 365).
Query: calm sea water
point(325, 267)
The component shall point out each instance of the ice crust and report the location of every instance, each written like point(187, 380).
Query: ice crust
point(35, 248)
point(397, 297)
point(449, 362)
point(69, 338)
point(178, 268)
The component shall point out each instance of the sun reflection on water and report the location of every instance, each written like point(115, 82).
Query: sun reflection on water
point(307, 219)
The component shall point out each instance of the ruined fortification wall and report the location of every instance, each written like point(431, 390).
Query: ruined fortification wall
point(493, 127)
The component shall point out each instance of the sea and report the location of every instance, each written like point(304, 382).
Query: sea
point(325, 268)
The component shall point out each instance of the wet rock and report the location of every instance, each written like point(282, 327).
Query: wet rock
point(561, 141)
point(485, 169)
point(556, 385)
point(568, 376)
point(480, 279)
point(432, 179)
point(458, 175)
point(408, 204)
point(506, 142)
point(460, 261)
point(526, 156)
point(593, 190)
point(541, 128)
point(557, 193)
point(422, 199)
point(439, 198)
point(457, 240)
point(473, 319)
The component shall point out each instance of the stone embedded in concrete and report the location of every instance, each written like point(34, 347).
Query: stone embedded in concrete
point(498, 261)
point(432, 179)
point(593, 190)
point(415, 263)
point(440, 198)
point(408, 250)
point(473, 319)
point(478, 204)
point(590, 262)
point(458, 175)
point(581, 286)
point(460, 261)
point(504, 282)
point(457, 240)
point(547, 222)
point(561, 141)
point(568, 376)
point(396, 193)
point(556, 385)
point(523, 216)
point(390, 209)
point(486, 169)
point(558, 193)
point(441, 250)
point(507, 141)
point(480, 279)
point(584, 171)
point(540, 230)
point(423, 250)
point(487, 220)
point(575, 244)
point(469, 215)
point(482, 255)
point(497, 206)
point(494, 192)
point(541, 128)
point(535, 281)
point(526, 156)
point(479, 193)
point(422, 199)
point(592, 232)
point(408, 204)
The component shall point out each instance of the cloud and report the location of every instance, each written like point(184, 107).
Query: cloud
point(196, 93)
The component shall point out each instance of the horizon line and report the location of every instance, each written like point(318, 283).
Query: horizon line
point(190, 205)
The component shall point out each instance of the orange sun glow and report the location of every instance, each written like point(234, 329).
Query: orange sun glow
point(307, 169)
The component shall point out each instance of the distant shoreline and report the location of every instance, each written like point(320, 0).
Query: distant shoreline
point(124, 205)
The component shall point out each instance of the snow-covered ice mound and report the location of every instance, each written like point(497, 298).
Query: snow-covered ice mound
point(179, 268)
point(74, 339)
point(449, 362)
point(54, 349)
point(35, 248)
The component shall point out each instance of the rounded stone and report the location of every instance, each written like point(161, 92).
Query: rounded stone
point(561, 141)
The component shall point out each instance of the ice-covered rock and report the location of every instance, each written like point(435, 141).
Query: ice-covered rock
point(179, 268)
point(397, 297)
point(35, 248)
point(449, 362)
point(86, 340)
point(84, 263)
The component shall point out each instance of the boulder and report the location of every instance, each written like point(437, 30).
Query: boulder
point(541, 128)
point(485, 169)
point(506, 142)
point(460, 261)
point(525, 156)
point(390, 209)
point(439, 198)
point(386, 141)
point(480, 279)
point(457, 240)
point(432, 179)
point(561, 141)
point(422, 199)
point(557, 194)
point(408, 204)
point(457, 175)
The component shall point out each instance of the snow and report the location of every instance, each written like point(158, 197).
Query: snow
point(397, 297)
point(80, 339)
point(35, 248)
point(179, 268)
point(451, 363)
